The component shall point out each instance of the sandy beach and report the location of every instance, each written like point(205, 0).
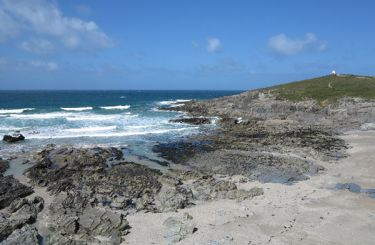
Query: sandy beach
point(305, 212)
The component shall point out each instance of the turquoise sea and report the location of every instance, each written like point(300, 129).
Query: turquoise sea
point(86, 118)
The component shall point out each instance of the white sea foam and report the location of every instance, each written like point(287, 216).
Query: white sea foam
point(117, 107)
point(93, 117)
point(368, 126)
point(99, 117)
point(50, 115)
point(9, 128)
point(14, 111)
point(173, 103)
point(122, 97)
point(90, 129)
point(88, 108)
point(110, 134)
point(179, 101)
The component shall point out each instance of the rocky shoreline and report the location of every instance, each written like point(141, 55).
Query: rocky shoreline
point(266, 138)
point(93, 191)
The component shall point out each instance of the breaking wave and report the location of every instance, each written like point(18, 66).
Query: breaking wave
point(111, 134)
point(15, 111)
point(172, 102)
point(50, 115)
point(117, 107)
point(90, 129)
point(88, 108)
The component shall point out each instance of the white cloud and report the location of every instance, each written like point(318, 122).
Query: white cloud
point(44, 18)
point(283, 45)
point(38, 46)
point(46, 65)
point(214, 45)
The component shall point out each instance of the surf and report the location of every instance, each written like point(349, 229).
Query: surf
point(88, 108)
point(117, 107)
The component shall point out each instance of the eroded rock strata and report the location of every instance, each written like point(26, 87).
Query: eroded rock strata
point(93, 191)
point(267, 138)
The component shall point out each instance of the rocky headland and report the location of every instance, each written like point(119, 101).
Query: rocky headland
point(266, 140)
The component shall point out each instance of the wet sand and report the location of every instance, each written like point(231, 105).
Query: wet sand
point(306, 212)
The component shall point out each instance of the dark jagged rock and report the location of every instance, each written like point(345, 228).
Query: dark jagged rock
point(11, 189)
point(76, 220)
point(4, 165)
point(59, 168)
point(181, 151)
point(92, 196)
point(256, 134)
point(13, 138)
point(27, 235)
point(20, 213)
point(86, 169)
point(192, 120)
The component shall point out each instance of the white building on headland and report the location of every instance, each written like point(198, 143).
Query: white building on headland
point(333, 73)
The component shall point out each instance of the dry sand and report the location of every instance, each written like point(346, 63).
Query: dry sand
point(307, 212)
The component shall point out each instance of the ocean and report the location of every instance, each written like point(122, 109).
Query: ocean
point(127, 119)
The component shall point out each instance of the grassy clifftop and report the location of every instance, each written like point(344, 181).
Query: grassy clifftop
point(328, 88)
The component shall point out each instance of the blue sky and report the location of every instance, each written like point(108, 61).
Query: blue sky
point(185, 44)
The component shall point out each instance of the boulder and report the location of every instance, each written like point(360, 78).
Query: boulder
point(13, 138)
point(177, 228)
point(173, 198)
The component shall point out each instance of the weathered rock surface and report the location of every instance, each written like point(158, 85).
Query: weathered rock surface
point(93, 192)
point(4, 165)
point(11, 189)
point(93, 195)
point(116, 186)
point(27, 235)
point(192, 120)
point(172, 198)
point(75, 219)
point(209, 188)
point(178, 228)
point(265, 138)
point(181, 151)
point(263, 105)
point(20, 213)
